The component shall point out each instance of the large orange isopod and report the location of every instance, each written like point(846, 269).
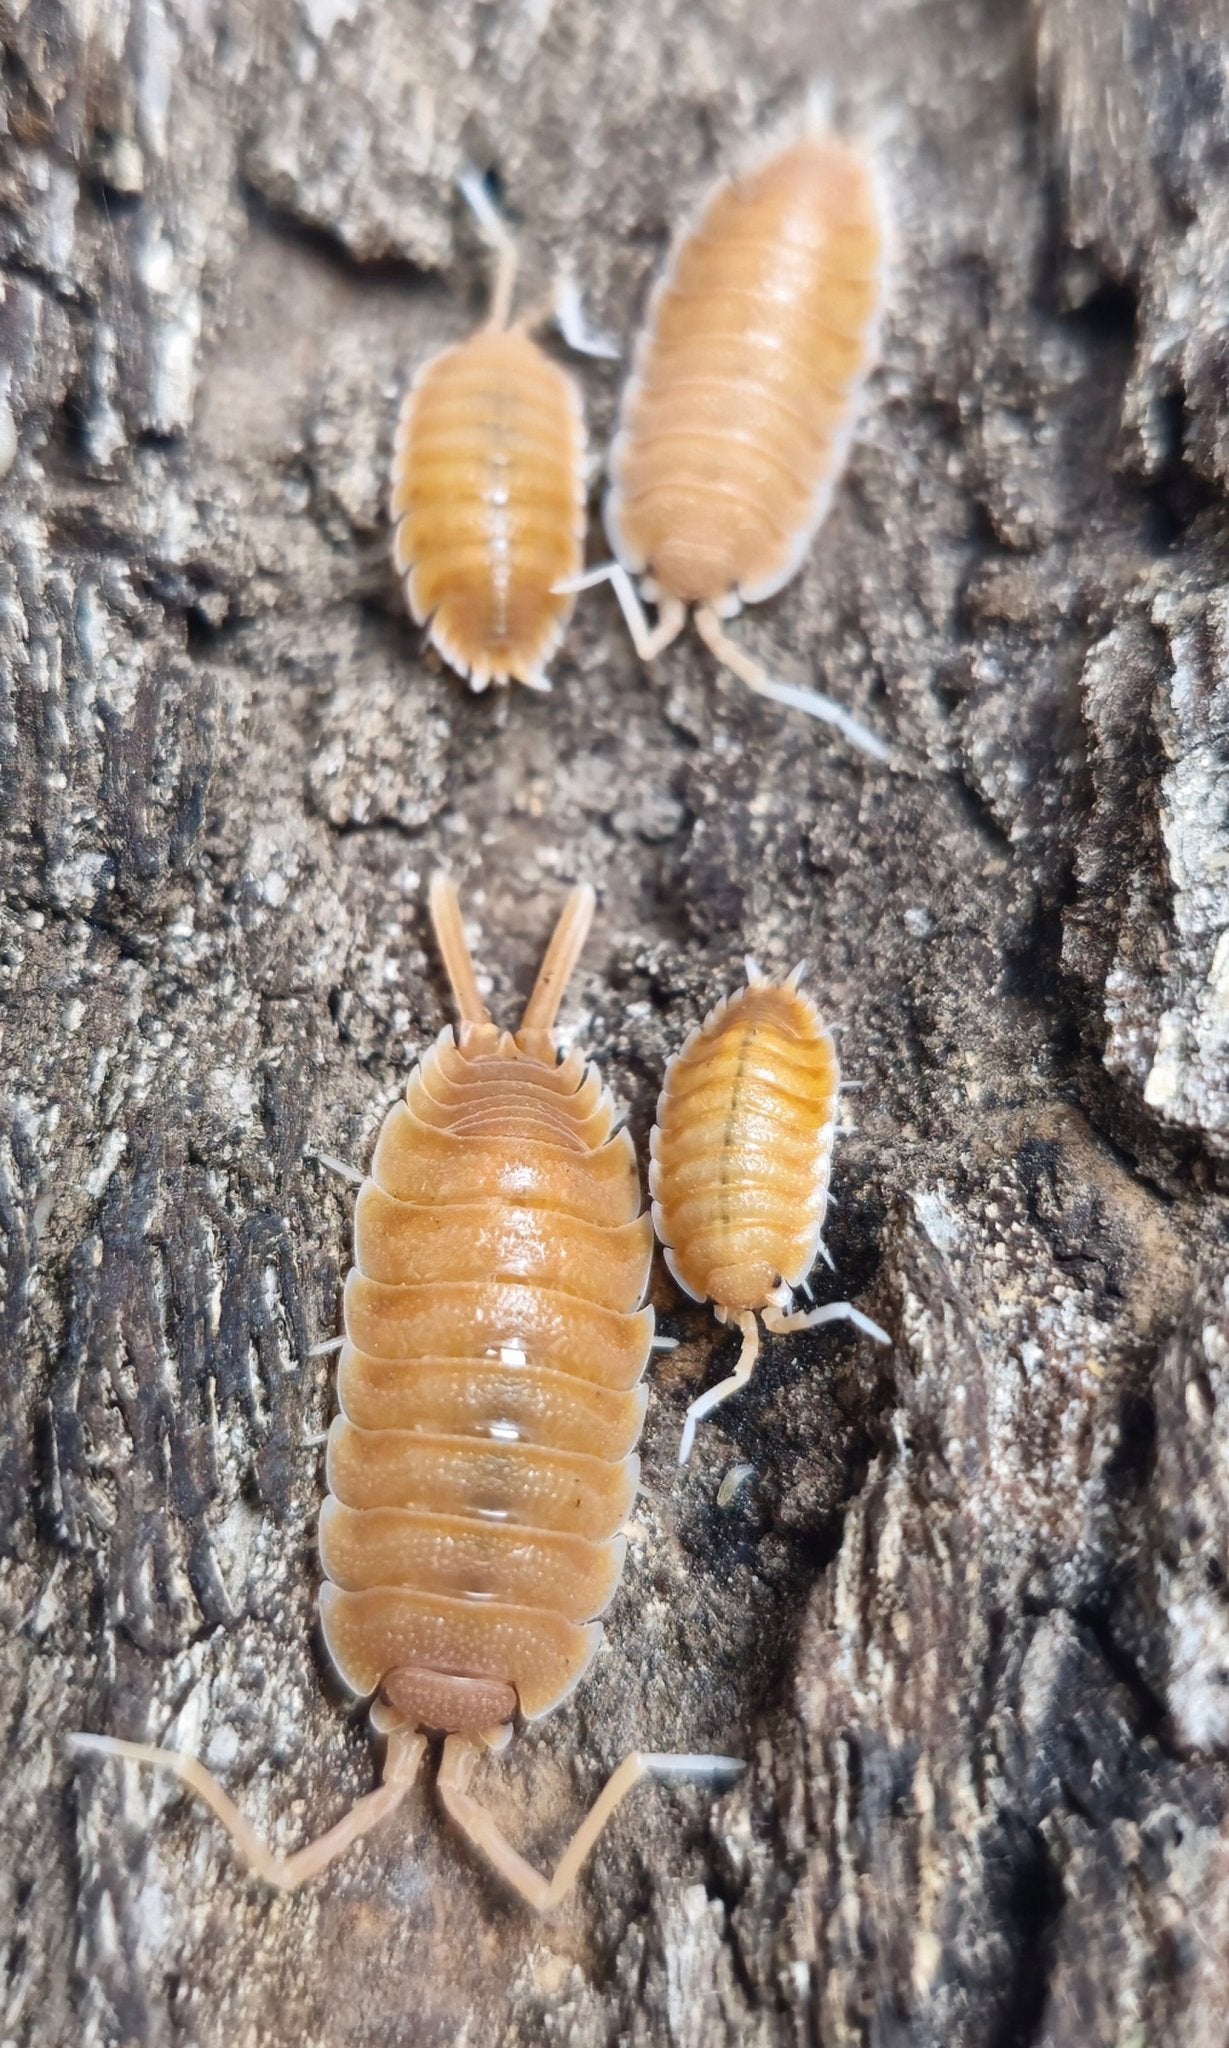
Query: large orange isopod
point(741, 1154)
point(736, 420)
point(487, 494)
point(490, 1391)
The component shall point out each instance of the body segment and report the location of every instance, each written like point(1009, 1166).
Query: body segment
point(741, 1155)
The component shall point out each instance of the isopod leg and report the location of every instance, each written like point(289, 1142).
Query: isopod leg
point(502, 240)
point(455, 953)
point(648, 641)
point(743, 1368)
point(285, 1873)
point(782, 1325)
point(558, 966)
point(564, 305)
point(735, 658)
point(543, 1894)
point(340, 1167)
point(569, 312)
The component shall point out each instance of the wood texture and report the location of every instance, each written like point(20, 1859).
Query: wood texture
point(967, 1621)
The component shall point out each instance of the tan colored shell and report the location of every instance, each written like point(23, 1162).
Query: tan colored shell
point(736, 420)
point(741, 1155)
point(487, 501)
point(483, 1462)
point(742, 1148)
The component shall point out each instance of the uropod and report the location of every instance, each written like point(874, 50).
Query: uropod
point(736, 420)
point(490, 1392)
point(487, 493)
point(741, 1154)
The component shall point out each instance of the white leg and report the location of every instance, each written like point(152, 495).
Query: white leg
point(817, 119)
point(569, 314)
point(563, 305)
point(543, 1894)
point(733, 657)
point(744, 1366)
point(332, 1164)
point(648, 641)
point(285, 1873)
point(782, 1325)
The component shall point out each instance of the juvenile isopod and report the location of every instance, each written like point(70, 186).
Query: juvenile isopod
point(741, 1153)
point(735, 422)
point(487, 494)
point(490, 1392)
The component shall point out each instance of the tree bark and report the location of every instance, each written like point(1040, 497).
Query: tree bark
point(968, 1619)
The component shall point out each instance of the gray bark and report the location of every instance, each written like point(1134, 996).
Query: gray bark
point(968, 1622)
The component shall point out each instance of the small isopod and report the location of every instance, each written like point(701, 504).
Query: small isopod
point(736, 420)
point(741, 1154)
point(487, 494)
point(491, 1401)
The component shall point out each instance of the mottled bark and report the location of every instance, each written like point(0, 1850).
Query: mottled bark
point(969, 1620)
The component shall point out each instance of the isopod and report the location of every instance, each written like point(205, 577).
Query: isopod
point(735, 423)
point(740, 1158)
point(491, 1401)
point(487, 494)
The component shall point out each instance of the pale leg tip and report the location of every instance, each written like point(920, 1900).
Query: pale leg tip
point(718, 1770)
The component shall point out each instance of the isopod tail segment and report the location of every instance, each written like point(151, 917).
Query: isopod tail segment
point(414, 1698)
point(404, 1754)
point(285, 1873)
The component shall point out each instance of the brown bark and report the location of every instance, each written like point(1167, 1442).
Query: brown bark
point(968, 1622)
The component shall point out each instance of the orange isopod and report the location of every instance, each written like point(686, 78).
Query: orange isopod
point(491, 1401)
point(741, 1154)
point(736, 420)
point(487, 494)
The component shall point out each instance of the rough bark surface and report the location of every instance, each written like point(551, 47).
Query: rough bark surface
point(969, 1621)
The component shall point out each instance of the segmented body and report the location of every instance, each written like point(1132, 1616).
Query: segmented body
point(735, 423)
point(485, 1455)
point(484, 1459)
point(742, 1148)
point(487, 501)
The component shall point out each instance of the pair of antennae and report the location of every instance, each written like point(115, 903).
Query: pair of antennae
point(558, 963)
